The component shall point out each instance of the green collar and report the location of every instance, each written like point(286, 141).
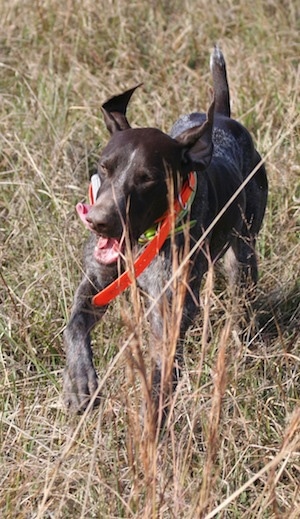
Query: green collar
point(149, 234)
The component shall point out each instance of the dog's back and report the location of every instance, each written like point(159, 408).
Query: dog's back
point(233, 159)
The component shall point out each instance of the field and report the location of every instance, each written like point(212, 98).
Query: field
point(231, 446)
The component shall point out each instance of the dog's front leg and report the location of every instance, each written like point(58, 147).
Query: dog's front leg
point(168, 335)
point(80, 378)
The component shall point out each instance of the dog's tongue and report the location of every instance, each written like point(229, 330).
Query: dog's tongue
point(82, 211)
point(107, 250)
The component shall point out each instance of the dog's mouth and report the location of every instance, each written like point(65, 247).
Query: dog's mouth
point(107, 250)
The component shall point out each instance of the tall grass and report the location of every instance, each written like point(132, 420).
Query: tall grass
point(232, 440)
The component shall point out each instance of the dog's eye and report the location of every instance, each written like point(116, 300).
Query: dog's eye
point(103, 170)
point(145, 178)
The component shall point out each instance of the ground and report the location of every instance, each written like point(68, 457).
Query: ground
point(231, 445)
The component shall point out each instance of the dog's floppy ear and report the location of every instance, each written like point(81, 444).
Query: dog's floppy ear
point(196, 142)
point(114, 111)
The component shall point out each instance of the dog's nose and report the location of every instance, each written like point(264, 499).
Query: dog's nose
point(104, 224)
point(104, 217)
point(97, 224)
point(93, 220)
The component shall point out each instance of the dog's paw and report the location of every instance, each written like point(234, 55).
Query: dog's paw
point(80, 388)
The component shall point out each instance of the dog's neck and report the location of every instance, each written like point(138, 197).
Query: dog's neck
point(191, 184)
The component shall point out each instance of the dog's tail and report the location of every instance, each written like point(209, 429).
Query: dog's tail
point(221, 89)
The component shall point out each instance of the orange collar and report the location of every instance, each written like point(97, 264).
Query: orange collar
point(152, 248)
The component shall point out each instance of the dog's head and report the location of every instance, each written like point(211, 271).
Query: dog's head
point(136, 169)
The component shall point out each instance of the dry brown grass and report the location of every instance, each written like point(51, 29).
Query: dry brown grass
point(231, 445)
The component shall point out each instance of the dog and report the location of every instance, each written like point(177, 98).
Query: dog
point(136, 170)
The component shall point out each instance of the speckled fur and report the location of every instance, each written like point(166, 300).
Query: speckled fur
point(222, 152)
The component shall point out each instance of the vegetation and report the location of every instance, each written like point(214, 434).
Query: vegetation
point(231, 445)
